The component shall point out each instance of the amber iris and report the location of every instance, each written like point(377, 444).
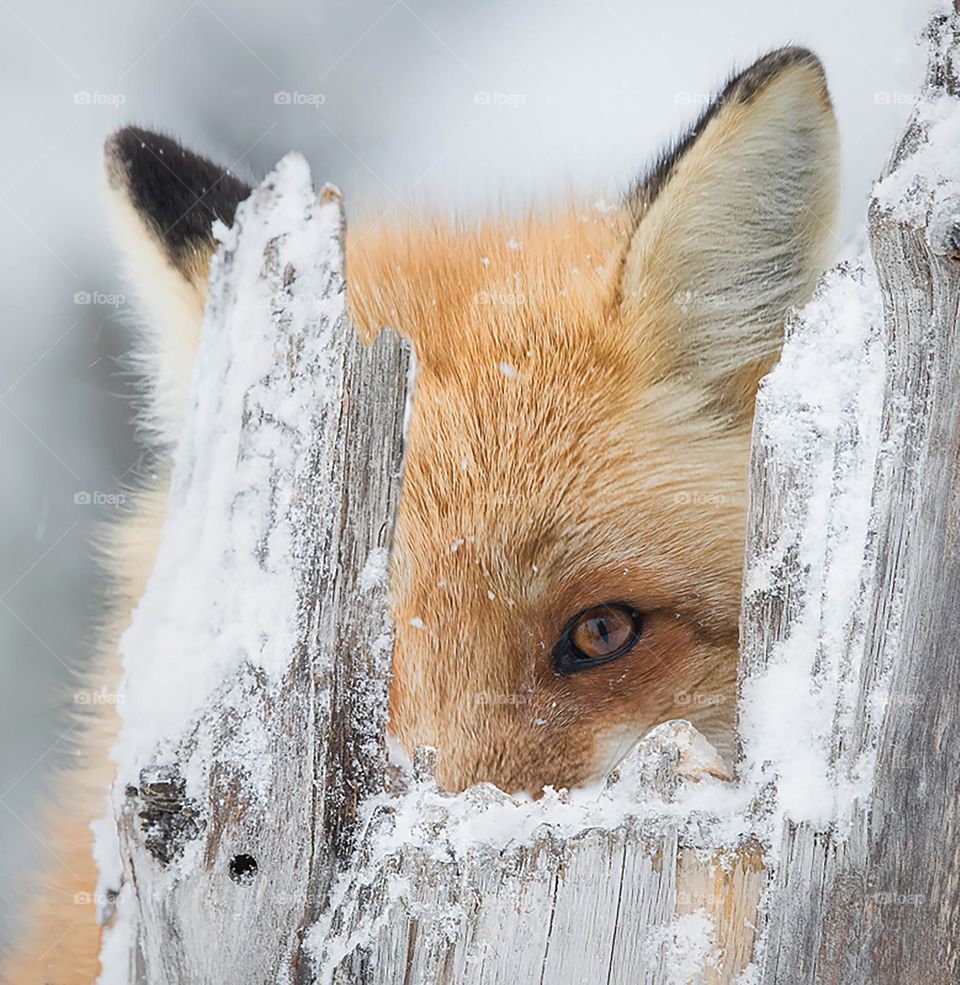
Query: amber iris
point(597, 635)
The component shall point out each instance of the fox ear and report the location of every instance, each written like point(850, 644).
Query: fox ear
point(731, 228)
point(164, 200)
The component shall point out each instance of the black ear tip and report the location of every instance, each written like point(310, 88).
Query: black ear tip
point(177, 192)
point(745, 85)
point(742, 88)
point(123, 149)
point(791, 54)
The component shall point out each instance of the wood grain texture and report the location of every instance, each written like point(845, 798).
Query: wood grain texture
point(573, 902)
point(226, 882)
point(898, 891)
point(876, 899)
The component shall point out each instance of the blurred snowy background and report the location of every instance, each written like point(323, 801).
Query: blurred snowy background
point(401, 103)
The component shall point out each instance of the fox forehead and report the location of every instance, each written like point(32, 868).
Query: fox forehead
point(541, 477)
point(472, 297)
point(542, 455)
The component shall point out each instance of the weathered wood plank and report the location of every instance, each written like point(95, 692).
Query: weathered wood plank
point(900, 889)
point(481, 889)
point(875, 897)
point(232, 836)
point(648, 903)
point(727, 887)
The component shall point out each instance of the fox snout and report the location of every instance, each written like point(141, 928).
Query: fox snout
point(557, 730)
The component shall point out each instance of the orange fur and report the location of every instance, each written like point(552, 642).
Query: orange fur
point(548, 469)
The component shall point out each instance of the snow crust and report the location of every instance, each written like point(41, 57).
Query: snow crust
point(929, 177)
point(819, 410)
point(926, 181)
point(222, 593)
point(685, 947)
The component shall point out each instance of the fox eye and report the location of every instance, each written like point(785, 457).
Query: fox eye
point(596, 636)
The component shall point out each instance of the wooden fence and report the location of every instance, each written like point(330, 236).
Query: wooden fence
point(258, 842)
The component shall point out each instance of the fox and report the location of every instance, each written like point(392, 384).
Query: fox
point(567, 559)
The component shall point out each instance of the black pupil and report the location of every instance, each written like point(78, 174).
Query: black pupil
point(603, 632)
point(598, 634)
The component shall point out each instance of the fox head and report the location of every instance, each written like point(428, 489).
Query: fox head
point(568, 553)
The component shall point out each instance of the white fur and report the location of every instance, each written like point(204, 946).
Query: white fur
point(171, 313)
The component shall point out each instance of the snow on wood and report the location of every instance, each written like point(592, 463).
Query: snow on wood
point(815, 446)
point(256, 664)
point(874, 895)
point(259, 844)
point(894, 904)
point(486, 888)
